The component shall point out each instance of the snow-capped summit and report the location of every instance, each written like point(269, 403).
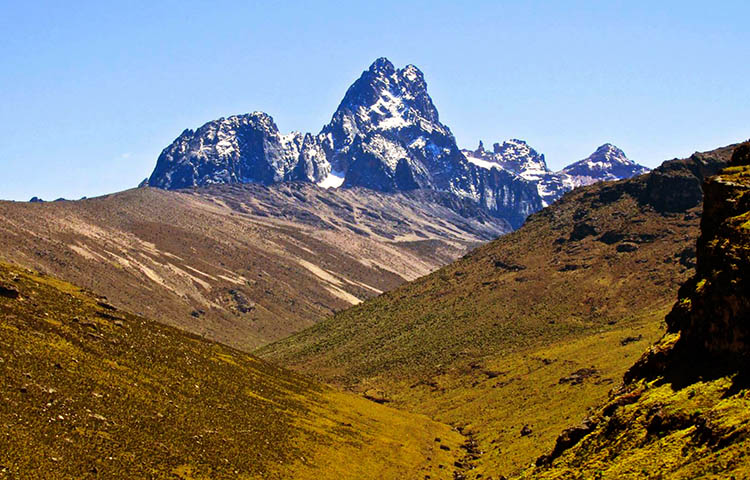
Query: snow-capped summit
point(385, 135)
point(387, 115)
point(239, 149)
point(607, 163)
point(516, 156)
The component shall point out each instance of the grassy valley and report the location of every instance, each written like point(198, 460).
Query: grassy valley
point(527, 334)
point(375, 241)
point(470, 372)
point(685, 410)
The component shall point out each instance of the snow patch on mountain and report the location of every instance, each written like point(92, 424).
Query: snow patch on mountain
point(607, 163)
point(334, 180)
point(516, 156)
point(480, 162)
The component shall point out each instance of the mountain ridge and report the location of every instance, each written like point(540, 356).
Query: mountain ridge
point(606, 163)
point(385, 135)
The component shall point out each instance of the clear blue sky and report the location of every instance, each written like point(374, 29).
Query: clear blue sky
point(90, 92)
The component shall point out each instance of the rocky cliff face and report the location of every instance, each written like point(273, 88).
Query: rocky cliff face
point(517, 157)
point(239, 149)
point(712, 314)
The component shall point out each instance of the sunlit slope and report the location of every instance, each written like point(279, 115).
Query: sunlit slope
point(91, 391)
point(242, 264)
point(531, 329)
point(685, 411)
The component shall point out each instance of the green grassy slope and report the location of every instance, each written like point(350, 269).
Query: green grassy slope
point(685, 412)
point(550, 315)
point(88, 391)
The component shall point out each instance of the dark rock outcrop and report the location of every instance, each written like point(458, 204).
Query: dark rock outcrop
point(568, 438)
point(712, 314)
point(709, 321)
point(8, 292)
point(675, 186)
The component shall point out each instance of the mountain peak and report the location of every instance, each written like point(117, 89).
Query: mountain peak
point(412, 74)
point(611, 151)
point(382, 65)
point(239, 149)
point(608, 162)
point(382, 102)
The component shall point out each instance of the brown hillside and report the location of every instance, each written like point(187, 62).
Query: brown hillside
point(519, 338)
point(685, 411)
point(241, 264)
point(89, 391)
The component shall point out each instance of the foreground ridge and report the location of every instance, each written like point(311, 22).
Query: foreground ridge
point(89, 390)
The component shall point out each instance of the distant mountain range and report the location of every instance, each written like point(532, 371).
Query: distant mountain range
point(607, 163)
point(385, 135)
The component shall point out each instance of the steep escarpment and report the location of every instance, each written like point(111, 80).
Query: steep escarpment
point(685, 409)
point(713, 313)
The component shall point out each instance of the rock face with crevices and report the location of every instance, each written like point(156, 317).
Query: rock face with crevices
point(712, 314)
point(239, 149)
